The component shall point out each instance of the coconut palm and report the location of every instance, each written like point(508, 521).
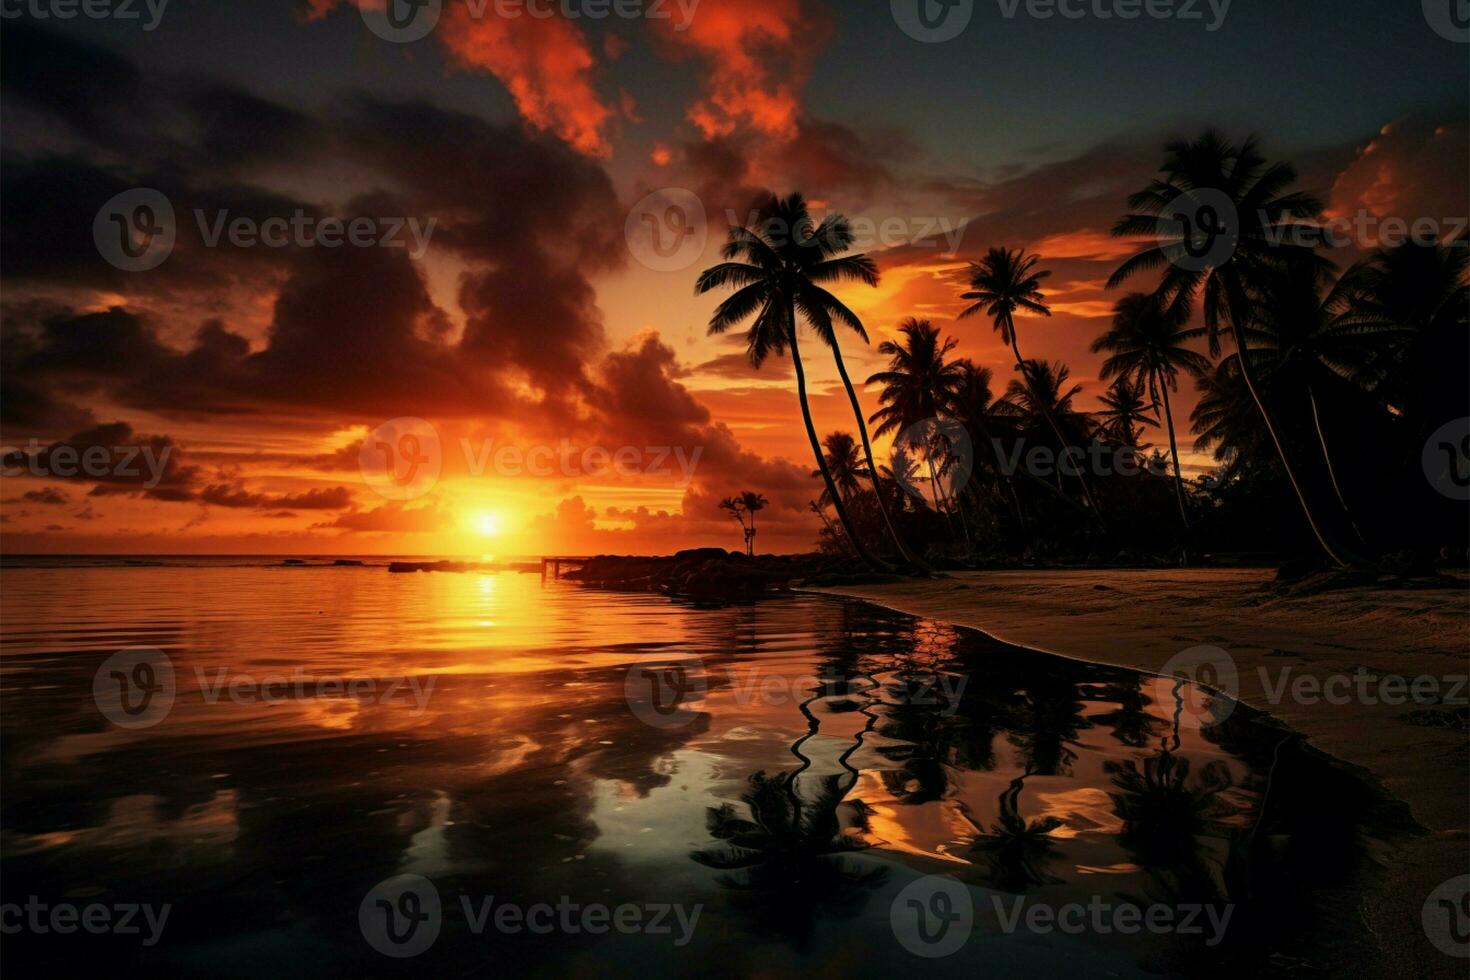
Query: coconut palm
point(844, 464)
point(1313, 338)
point(1147, 347)
point(1014, 850)
point(1421, 288)
point(775, 266)
point(1003, 282)
point(1225, 420)
point(1043, 399)
point(789, 857)
point(752, 503)
point(1125, 413)
point(917, 388)
point(1267, 224)
point(971, 403)
point(736, 510)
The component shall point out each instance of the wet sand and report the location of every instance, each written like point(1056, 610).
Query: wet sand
point(1141, 619)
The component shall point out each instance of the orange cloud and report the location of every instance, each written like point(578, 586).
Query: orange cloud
point(1412, 170)
point(545, 62)
point(757, 57)
point(1084, 243)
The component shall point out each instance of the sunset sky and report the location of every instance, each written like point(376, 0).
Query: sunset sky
point(532, 319)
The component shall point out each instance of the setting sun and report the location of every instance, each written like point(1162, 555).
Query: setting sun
point(487, 523)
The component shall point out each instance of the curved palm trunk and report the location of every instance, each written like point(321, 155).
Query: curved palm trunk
point(1332, 470)
point(1174, 452)
point(1055, 428)
point(862, 426)
point(811, 433)
point(1335, 550)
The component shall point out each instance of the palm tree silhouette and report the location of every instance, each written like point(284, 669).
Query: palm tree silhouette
point(1004, 281)
point(753, 503)
point(1146, 344)
point(784, 258)
point(1015, 850)
point(1314, 338)
point(844, 465)
point(1268, 229)
point(1125, 413)
point(1043, 397)
point(918, 387)
point(1420, 375)
point(744, 506)
point(788, 853)
point(971, 403)
point(1226, 422)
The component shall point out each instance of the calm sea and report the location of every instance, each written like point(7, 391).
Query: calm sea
point(315, 770)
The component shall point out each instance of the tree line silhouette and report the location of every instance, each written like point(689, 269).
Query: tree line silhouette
point(1321, 389)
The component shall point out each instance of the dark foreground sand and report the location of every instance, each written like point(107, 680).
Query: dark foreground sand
point(1141, 619)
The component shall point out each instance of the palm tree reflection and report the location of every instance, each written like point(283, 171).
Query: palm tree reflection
point(1168, 809)
point(787, 861)
point(1015, 851)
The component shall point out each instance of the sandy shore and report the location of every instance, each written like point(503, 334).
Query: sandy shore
point(1364, 637)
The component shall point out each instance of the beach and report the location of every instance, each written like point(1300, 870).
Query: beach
point(1142, 619)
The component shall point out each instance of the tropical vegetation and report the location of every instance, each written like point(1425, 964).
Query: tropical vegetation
point(1320, 390)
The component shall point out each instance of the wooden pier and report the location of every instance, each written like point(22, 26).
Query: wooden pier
point(555, 564)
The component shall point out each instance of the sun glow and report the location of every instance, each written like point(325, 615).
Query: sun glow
point(487, 523)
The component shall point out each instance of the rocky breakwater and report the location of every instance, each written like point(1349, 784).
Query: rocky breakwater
point(716, 575)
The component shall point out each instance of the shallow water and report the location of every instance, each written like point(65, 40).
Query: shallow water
point(797, 773)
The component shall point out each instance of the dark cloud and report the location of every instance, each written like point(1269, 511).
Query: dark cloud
point(114, 458)
point(392, 517)
point(46, 495)
point(237, 496)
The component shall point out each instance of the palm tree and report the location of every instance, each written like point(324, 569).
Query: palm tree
point(775, 267)
point(1226, 420)
point(1015, 850)
point(737, 511)
point(1421, 288)
point(844, 465)
point(971, 403)
point(753, 503)
point(1043, 397)
point(788, 856)
point(918, 386)
point(1147, 347)
point(1313, 336)
point(1125, 413)
point(1005, 281)
point(824, 262)
point(1265, 220)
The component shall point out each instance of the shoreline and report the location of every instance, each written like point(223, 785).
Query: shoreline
point(1280, 644)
